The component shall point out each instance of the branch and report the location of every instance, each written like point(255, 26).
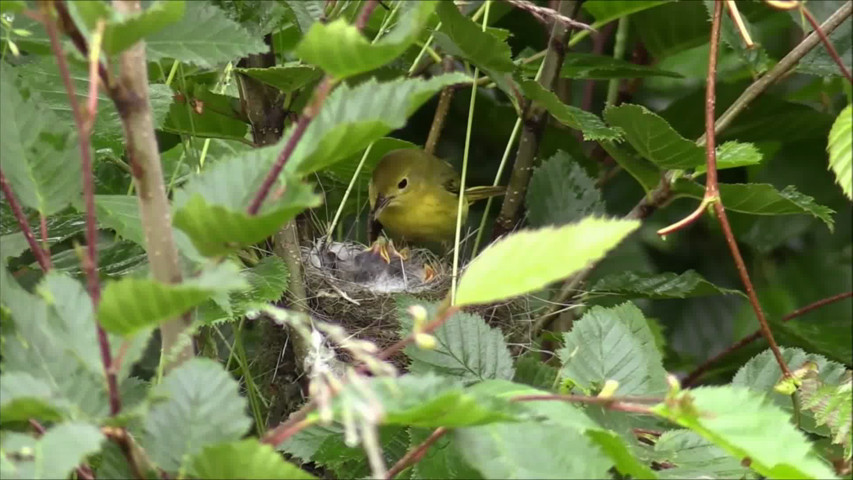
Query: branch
point(440, 111)
point(826, 43)
point(534, 119)
point(364, 15)
point(626, 404)
point(42, 254)
point(547, 15)
point(415, 455)
point(90, 262)
point(704, 367)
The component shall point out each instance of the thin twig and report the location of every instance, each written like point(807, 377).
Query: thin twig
point(548, 15)
point(629, 405)
point(90, 263)
point(415, 455)
point(731, 6)
point(42, 255)
point(707, 364)
point(441, 110)
point(364, 15)
point(826, 43)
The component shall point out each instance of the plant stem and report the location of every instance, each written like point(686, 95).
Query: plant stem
point(352, 181)
point(42, 254)
point(131, 98)
point(364, 15)
point(415, 455)
point(441, 110)
point(707, 364)
point(618, 53)
point(826, 43)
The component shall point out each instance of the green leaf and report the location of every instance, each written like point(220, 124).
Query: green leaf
point(344, 170)
point(588, 123)
point(840, 150)
point(212, 207)
point(530, 370)
point(613, 344)
point(733, 155)
point(342, 51)
point(288, 78)
point(244, 459)
point(12, 246)
point(745, 425)
point(123, 30)
point(461, 37)
point(618, 450)
point(659, 286)
point(13, 6)
point(755, 56)
point(205, 36)
point(561, 192)
point(56, 454)
point(353, 117)
point(761, 199)
point(442, 460)
point(605, 11)
point(645, 172)
point(819, 61)
point(529, 260)
point(202, 402)
point(215, 120)
point(38, 153)
point(466, 347)
point(267, 282)
point(133, 304)
point(831, 406)
point(693, 456)
point(24, 397)
point(426, 400)
point(602, 67)
point(654, 138)
point(527, 450)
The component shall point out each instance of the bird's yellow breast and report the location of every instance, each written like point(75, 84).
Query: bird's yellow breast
point(429, 216)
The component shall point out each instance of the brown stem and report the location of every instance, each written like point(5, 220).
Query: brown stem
point(43, 231)
point(83, 471)
point(549, 15)
point(364, 15)
point(131, 98)
point(79, 41)
point(42, 254)
point(440, 111)
point(705, 366)
point(534, 119)
point(826, 43)
point(90, 262)
point(415, 455)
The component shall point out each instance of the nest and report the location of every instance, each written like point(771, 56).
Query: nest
point(356, 288)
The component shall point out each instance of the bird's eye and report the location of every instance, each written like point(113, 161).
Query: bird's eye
point(403, 183)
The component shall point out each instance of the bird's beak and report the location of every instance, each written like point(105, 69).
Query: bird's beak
point(381, 202)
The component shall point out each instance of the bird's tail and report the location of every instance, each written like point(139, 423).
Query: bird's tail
point(478, 193)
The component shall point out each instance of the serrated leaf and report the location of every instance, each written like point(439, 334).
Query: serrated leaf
point(123, 30)
point(461, 37)
point(425, 400)
point(831, 406)
point(344, 170)
point(342, 51)
point(561, 192)
point(654, 138)
point(818, 61)
point(212, 207)
point(530, 370)
point(746, 426)
point(733, 155)
point(693, 456)
point(588, 123)
point(287, 78)
point(203, 402)
point(353, 117)
point(659, 286)
point(613, 344)
point(244, 459)
point(205, 36)
point(761, 199)
point(133, 304)
point(56, 454)
point(267, 281)
point(840, 148)
point(602, 67)
point(529, 260)
point(38, 153)
point(466, 348)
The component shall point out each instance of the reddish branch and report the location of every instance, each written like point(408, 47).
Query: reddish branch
point(83, 471)
point(42, 254)
point(90, 262)
point(415, 455)
point(365, 13)
point(826, 43)
point(702, 369)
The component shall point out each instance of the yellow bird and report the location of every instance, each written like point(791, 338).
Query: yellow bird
point(414, 196)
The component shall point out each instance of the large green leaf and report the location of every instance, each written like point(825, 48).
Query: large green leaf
point(693, 456)
point(129, 305)
point(466, 347)
point(288, 78)
point(588, 123)
point(202, 402)
point(561, 192)
point(205, 36)
point(38, 153)
point(123, 30)
point(353, 117)
point(761, 199)
point(529, 260)
point(654, 138)
point(212, 207)
point(215, 118)
point(461, 37)
point(342, 51)
point(840, 148)
point(24, 397)
point(55, 455)
point(613, 344)
point(244, 459)
point(644, 171)
point(658, 286)
point(748, 427)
